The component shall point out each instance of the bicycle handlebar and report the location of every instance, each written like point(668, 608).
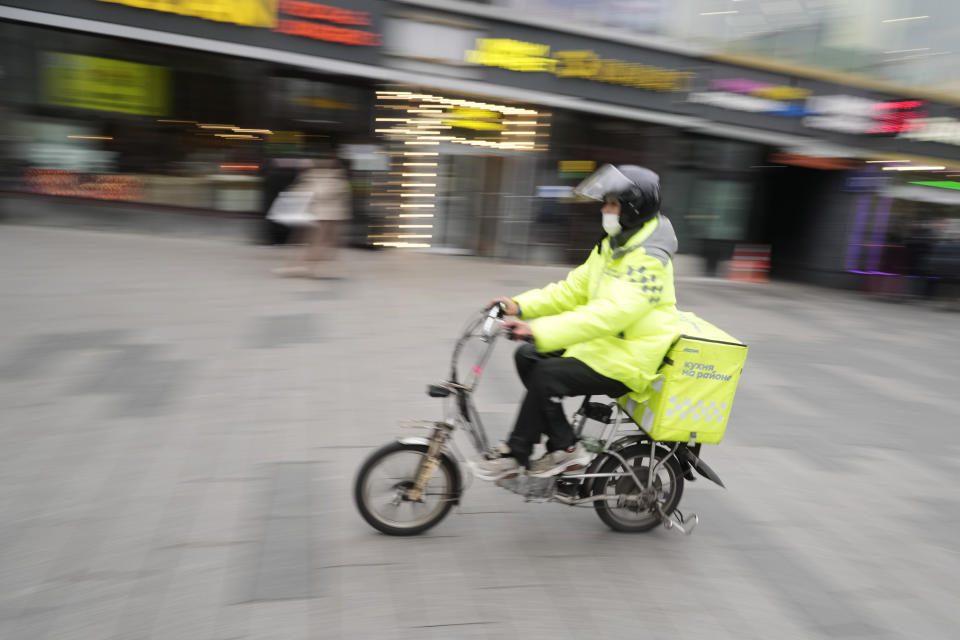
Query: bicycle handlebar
point(490, 324)
point(494, 313)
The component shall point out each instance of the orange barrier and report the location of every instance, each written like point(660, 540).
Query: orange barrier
point(750, 263)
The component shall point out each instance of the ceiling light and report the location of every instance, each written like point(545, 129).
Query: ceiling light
point(917, 55)
point(930, 168)
point(905, 19)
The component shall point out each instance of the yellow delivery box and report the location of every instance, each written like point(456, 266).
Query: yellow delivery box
point(691, 399)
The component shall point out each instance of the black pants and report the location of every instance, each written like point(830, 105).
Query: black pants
point(548, 378)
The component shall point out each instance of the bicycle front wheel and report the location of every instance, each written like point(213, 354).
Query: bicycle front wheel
point(381, 490)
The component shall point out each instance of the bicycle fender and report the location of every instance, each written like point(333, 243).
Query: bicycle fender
point(701, 467)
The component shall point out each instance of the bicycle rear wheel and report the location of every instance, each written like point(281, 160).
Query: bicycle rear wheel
point(628, 507)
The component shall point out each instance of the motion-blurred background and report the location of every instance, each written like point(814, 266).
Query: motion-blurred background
point(819, 135)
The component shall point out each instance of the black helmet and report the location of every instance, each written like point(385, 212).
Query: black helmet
point(636, 188)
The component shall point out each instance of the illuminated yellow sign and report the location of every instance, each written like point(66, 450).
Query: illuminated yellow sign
point(249, 13)
point(86, 82)
point(577, 166)
point(517, 55)
point(286, 137)
point(782, 93)
point(476, 119)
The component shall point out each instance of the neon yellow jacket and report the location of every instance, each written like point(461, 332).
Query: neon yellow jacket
point(616, 312)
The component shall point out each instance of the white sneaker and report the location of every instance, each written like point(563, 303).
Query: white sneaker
point(572, 459)
point(496, 469)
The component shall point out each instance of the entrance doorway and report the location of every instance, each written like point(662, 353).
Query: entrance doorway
point(484, 204)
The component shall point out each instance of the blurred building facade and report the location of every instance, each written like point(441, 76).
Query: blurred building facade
point(905, 41)
point(466, 124)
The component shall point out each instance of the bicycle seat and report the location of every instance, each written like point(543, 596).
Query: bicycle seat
point(438, 391)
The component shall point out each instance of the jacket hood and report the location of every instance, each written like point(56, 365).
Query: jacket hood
point(661, 242)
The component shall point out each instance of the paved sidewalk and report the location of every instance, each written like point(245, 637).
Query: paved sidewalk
point(181, 429)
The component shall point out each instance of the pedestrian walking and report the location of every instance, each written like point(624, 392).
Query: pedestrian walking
point(317, 205)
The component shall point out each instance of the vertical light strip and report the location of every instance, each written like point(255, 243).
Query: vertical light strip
point(879, 233)
point(855, 245)
point(414, 120)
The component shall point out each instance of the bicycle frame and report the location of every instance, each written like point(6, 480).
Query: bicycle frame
point(466, 415)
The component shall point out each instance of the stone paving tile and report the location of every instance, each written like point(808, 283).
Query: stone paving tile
point(181, 432)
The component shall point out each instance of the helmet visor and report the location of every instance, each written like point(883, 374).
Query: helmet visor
point(605, 180)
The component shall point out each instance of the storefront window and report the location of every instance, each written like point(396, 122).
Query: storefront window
point(108, 119)
point(105, 119)
point(719, 209)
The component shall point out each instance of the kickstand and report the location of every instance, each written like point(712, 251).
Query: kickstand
point(684, 525)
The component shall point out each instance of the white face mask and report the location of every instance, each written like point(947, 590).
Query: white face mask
point(611, 223)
